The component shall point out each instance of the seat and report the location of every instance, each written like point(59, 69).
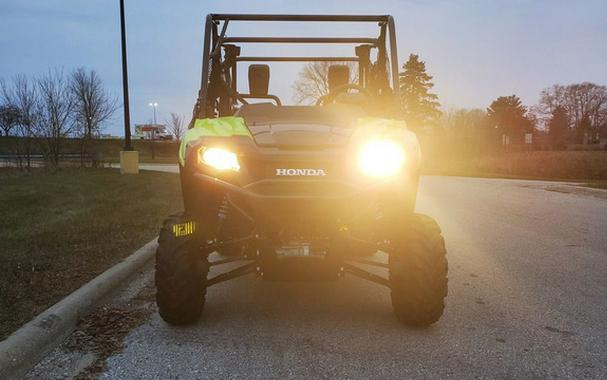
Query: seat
point(259, 82)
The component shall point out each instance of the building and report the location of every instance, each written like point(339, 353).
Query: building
point(152, 132)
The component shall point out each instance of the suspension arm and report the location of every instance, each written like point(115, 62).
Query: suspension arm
point(358, 272)
point(238, 272)
point(368, 262)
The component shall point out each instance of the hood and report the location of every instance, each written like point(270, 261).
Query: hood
point(304, 135)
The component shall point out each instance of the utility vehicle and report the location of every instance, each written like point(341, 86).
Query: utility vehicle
point(300, 193)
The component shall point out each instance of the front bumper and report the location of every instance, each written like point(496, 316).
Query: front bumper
point(299, 208)
point(270, 189)
point(271, 204)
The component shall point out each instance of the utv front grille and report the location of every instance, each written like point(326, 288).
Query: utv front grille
point(301, 188)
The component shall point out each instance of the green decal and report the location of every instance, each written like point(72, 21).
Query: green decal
point(226, 126)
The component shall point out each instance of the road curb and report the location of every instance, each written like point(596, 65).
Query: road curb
point(28, 345)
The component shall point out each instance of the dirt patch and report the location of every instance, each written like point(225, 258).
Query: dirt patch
point(102, 333)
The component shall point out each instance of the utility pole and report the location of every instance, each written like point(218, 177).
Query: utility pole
point(125, 82)
point(129, 158)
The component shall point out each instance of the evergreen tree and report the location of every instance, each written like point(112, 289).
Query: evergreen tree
point(509, 116)
point(558, 128)
point(420, 107)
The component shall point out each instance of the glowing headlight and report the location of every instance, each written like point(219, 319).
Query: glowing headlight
point(381, 158)
point(219, 159)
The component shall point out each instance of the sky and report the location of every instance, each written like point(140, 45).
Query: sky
point(476, 50)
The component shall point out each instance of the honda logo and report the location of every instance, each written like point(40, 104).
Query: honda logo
point(301, 172)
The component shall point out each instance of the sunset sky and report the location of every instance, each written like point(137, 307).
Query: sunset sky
point(476, 50)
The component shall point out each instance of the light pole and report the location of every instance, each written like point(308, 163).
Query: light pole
point(129, 158)
point(154, 105)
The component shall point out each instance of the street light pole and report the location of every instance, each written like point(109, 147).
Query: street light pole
point(154, 105)
point(129, 158)
point(125, 82)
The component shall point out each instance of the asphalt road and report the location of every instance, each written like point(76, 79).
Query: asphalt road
point(527, 299)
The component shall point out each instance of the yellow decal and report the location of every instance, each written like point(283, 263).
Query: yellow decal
point(184, 229)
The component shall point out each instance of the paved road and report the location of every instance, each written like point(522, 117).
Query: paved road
point(527, 299)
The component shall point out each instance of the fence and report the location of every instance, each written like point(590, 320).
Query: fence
point(39, 160)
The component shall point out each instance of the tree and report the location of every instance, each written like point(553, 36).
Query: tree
point(9, 118)
point(508, 115)
point(92, 107)
point(584, 103)
point(55, 107)
point(92, 104)
point(312, 82)
point(23, 95)
point(465, 133)
point(583, 131)
point(420, 107)
point(176, 126)
point(558, 128)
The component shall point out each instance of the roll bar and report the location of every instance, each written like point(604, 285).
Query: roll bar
point(319, 18)
point(219, 71)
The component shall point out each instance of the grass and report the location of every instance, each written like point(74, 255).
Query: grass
point(438, 159)
point(60, 229)
point(545, 165)
point(165, 151)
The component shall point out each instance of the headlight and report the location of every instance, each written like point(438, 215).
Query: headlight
point(381, 158)
point(218, 158)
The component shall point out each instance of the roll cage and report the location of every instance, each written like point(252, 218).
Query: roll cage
point(218, 92)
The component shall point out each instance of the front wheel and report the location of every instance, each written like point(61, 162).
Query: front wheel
point(418, 271)
point(181, 272)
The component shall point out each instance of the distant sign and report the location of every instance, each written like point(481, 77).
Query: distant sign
point(152, 132)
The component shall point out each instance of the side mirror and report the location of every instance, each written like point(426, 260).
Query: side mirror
point(259, 80)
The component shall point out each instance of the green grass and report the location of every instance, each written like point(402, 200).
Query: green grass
point(60, 229)
point(579, 166)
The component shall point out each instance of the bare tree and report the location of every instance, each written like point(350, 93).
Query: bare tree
point(585, 105)
point(465, 132)
point(176, 126)
point(93, 105)
point(312, 82)
point(23, 95)
point(55, 110)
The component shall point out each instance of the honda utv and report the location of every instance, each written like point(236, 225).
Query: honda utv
point(300, 192)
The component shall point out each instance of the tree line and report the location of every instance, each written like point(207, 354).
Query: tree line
point(564, 115)
point(47, 109)
point(41, 112)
